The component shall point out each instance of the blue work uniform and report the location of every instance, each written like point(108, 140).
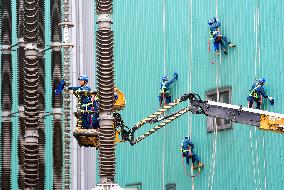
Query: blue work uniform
point(95, 116)
point(219, 39)
point(257, 91)
point(186, 145)
point(86, 104)
point(165, 91)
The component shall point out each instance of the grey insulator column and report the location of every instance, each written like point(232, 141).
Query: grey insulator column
point(66, 24)
point(105, 81)
point(21, 88)
point(31, 95)
point(41, 97)
point(56, 72)
point(6, 98)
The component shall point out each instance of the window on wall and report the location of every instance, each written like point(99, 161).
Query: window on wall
point(224, 97)
point(171, 186)
point(133, 186)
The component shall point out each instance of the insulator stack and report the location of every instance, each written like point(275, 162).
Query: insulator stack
point(41, 97)
point(21, 88)
point(104, 6)
point(6, 141)
point(6, 96)
point(31, 20)
point(105, 81)
point(56, 72)
point(31, 113)
point(66, 24)
point(31, 94)
point(105, 70)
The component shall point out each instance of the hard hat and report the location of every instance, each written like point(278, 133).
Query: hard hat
point(261, 80)
point(187, 137)
point(84, 78)
point(210, 22)
point(164, 78)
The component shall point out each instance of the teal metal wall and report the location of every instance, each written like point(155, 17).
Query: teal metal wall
point(246, 158)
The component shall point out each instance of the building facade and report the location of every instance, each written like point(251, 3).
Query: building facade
point(155, 38)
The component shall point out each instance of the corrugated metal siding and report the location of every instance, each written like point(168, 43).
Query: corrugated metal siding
point(139, 51)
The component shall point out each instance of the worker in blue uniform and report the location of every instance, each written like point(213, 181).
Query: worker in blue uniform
point(219, 39)
point(187, 151)
point(86, 101)
point(165, 89)
point(256, 94)
point(95, 108)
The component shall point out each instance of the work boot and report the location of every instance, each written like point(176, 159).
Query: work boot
point(199, 165)
point(232, 45)
point(225, 52)
point(217, 53)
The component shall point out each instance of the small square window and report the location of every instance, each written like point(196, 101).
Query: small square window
point(134, 186)
point(224, 97)
point(171, 186)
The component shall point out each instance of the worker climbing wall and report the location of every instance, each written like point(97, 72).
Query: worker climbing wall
point(140, 64)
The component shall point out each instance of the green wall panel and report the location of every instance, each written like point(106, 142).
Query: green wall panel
point(246, 158)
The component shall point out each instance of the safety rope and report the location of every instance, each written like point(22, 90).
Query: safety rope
point(164, 61)
point(254, 145)
point(213, 161)
point(190, 88)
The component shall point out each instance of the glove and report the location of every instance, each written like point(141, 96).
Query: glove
point(175, 75)
point(249, 98)
point(271, 100)
point(60, 87)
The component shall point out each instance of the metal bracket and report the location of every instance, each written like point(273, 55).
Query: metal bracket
point(6, 49)
point(31, 50)
point(21, 42)
point(31, 136)
point(6, 116)
point(57, 113)
point(56, 46)
point(104, 21)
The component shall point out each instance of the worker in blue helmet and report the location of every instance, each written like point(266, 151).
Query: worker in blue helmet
point(165, 89)
point(218, 37)
point(214, 24)
point(86, 100)
point(257, 93)
point(95, 108)
point(187, 152)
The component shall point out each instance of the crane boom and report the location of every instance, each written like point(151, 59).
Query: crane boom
point(263, 120)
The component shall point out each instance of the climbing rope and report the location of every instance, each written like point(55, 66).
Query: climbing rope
point(190, 89)
point(254, 145)
point(213, 160)
point(164, 61)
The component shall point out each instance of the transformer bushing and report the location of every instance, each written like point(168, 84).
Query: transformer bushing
point(66, 24)
point(105, 88)
point(21, 88)
point(41, 97)
point(31, 28)
point(31, 95)
point(6, 96)
point(57, 101)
